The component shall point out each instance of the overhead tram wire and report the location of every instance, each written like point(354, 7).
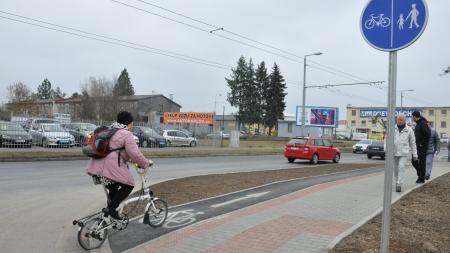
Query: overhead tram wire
point(114, 41)
point(215, 27)
point(205, 30)
point(135, 46)
point(227, 38)
point(351, 95)
point(424, 102)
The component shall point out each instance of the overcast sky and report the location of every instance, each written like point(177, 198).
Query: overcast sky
point(30, 54)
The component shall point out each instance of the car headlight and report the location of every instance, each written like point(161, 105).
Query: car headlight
point(6, 136)
point(72, 138)
point(52, 138)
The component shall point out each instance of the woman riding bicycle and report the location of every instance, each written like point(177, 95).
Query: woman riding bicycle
point(113, 170)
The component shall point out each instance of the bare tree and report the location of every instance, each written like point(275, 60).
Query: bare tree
point(18, 92)
point(97, 99)
point(98, 87)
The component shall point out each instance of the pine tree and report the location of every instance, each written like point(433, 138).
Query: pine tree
point(44, 90)
point(123, 86)
point(236, 84)
point(261, 83)
point(274, 96)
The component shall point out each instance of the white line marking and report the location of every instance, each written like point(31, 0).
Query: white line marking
point(255, 195)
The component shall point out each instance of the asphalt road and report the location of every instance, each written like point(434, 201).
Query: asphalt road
point(40, 199)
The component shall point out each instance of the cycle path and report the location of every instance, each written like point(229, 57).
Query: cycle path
point(188, 214)
point(311, 218)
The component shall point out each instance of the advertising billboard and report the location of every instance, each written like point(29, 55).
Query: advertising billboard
point(318, 116)
point(370, 113)
point(205, 118)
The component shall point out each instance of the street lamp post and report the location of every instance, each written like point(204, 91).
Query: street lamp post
point(304, 92)
point(401, 98)
point(214, 121)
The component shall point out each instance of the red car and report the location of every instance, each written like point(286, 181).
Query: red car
point(313, 149)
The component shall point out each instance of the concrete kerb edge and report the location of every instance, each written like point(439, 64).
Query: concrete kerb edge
point(340, 237)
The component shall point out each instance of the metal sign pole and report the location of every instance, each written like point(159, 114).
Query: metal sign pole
point(389, 165)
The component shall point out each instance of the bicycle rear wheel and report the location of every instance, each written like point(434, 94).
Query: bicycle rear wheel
point(157, 213)
point(88, 236)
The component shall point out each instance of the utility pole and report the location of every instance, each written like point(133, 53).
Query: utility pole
point(304, 92)
point(401, 98)
point(221, 132)
point(327, 86)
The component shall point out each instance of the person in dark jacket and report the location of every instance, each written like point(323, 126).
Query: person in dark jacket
point(422, 133)
point(434, 147)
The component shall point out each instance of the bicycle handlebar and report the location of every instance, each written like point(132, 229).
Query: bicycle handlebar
point(138, 169)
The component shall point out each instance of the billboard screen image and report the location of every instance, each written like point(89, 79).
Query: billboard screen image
point(318, 116)
point(322, 117)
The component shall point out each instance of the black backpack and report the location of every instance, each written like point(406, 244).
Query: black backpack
point(97, 146)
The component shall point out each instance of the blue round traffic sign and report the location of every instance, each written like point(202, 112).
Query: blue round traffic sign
point(391, 25)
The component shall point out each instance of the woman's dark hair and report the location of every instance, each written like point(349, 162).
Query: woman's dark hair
point(416, 114)
point(124, 117)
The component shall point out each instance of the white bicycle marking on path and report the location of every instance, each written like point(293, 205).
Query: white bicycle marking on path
point(181, 218)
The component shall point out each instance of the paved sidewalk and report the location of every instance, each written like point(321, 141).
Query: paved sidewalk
point(309, 220)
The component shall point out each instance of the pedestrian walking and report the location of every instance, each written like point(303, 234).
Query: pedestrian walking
point(404, 143)
point(448, 156)
point(422, 134)
point(434, 147)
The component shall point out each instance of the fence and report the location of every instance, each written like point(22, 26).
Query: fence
point(25, 132)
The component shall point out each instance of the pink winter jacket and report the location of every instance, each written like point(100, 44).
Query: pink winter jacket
point(109, 166)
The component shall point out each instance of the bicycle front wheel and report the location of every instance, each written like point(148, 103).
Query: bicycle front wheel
point(156, 214)
point(91, 235)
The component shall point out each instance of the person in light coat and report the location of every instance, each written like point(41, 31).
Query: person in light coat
point(404, 144)
point(434, 147)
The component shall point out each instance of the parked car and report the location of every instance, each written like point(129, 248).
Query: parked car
point(361, 146)
point(178, 138)
point(218, 135)
point(148, 137)
point(80, 131)
point(313, 149)
point(243, 135)
point(51, 134)
point(376, 149)
point(12, 134)
point(187, 132)
point(33, 121)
